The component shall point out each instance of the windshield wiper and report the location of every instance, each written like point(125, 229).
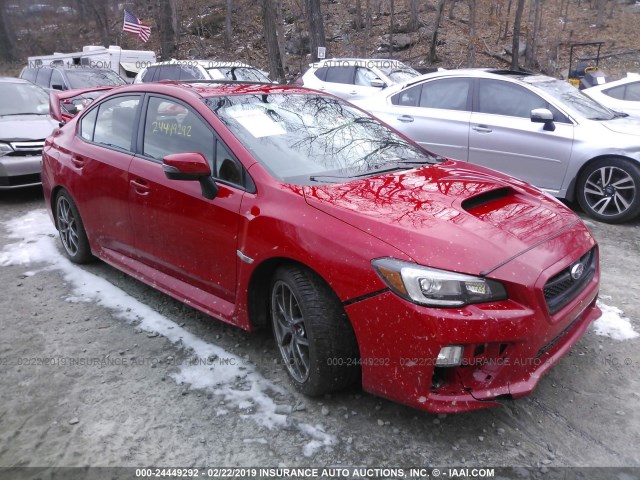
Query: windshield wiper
point(391, 168)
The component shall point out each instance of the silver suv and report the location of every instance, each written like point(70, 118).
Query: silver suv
point(353, 78)
point(536, 128)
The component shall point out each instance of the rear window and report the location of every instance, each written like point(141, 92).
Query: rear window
point(29, 74)
point(84, 78)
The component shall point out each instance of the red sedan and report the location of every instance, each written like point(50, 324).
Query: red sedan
point(437, 284)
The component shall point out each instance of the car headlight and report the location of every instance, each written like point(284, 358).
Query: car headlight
point(436, 288)
point(5, 149)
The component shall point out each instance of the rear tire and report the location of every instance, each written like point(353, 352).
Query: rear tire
point(609, 190)
point(312, 332)
point(71, 229)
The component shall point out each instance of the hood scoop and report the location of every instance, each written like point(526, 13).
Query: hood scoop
point(484, 199)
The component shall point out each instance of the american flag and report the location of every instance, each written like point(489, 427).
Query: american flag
point(132, 24)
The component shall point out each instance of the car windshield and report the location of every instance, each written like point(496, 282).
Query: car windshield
point(80, 78)
point(305, 139)
point(238, 73)
point(23, 99)
point(399, 72)
point(573, 98)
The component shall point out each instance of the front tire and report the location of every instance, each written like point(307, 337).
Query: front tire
point(313, 334)
point(609, 190)
point(71, 229)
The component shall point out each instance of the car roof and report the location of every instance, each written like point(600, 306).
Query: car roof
point(527, 77)
point(14, 80)
point(213, 88)
point(204, 63)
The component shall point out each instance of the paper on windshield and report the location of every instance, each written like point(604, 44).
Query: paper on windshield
point(257, 122)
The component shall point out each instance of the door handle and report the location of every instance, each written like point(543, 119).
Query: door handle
point(482, 129)
point(140, 186)
point(77, 161)
point(405, 118)
point(353, 92)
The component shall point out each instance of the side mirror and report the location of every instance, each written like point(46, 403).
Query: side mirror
point(543, 115)
point(376, 82)
point(191, 166)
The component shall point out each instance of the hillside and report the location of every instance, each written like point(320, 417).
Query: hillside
point(201, 26)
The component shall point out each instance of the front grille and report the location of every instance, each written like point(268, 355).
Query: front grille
point(562, 288)
point(24, 149)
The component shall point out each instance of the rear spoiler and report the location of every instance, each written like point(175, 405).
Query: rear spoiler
point(64, 105)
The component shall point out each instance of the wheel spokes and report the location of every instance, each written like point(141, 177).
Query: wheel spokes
point(290, 331)
point(67, 226)
point(610, 191)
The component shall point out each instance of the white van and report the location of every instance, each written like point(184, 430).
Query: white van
point(126, 63)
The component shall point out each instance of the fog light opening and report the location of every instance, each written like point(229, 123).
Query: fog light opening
point(450, 356)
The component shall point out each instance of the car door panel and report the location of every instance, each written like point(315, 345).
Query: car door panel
point(181, 233)
point(521, 148)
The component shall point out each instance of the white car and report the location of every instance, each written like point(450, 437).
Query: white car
point(621, 95)
point(200, 70)
point(354, 78)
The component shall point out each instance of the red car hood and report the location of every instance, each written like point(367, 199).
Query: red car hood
point(452, 216)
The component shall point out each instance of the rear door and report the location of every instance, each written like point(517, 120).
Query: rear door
point(435, 114)
point(103, 151)
point(503, 137)
point(178, 231)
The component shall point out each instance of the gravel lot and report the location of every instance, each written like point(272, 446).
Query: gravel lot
point(138, 409)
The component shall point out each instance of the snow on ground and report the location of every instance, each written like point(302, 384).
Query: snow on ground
point(614, 324)
point(238, 383)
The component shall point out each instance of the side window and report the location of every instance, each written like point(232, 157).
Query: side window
point(364, 76)
point(321, 73)
point(56, 79)
point(341, 74)
point(148, 75)
point(29, 74)
point(616, 92)
point(447, 94)
point(115, 122)
point(170, 127)
point(44, 76)
point(504, 98)
point(633, 92)
point(407, 98)
point(88, 124)
point(189, 72)
point(227, 168)
point(168, 72)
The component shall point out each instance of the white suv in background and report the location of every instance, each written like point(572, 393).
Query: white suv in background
point(200, 70)
point(353, 78)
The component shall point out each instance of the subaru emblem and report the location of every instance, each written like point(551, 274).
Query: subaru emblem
point(577, 270)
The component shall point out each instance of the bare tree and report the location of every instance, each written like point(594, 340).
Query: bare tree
point(276, 70)
point(7, 37)
point(358, 18)
point(166, 31)
point(434, 36)
point(414, 20)
point(533, 33)
point(471, 49)
point(602, 5)
point(98, 9)
point(517, 26)
point(228, 29)
point(391, 28)
point(316, 28)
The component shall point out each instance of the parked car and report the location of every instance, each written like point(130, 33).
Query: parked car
point(200, 70)
point(621, 95)
point(354, 78)
point(438, 284)
point(536, 128)
point(66, 78)
point(24, 124)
